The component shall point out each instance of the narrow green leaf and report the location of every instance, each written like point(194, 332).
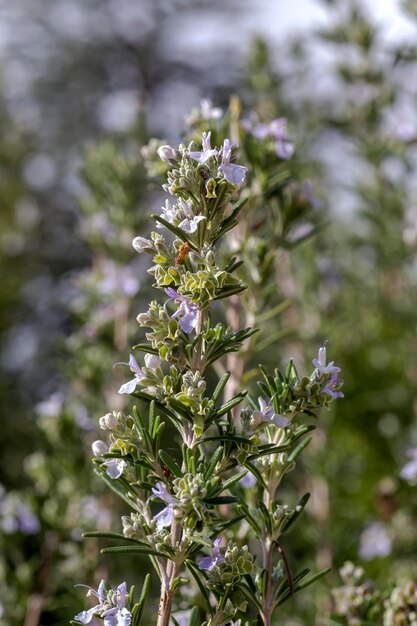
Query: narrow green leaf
point(132, 595)
point(201, 582)
point(116, 487)
point(171, 464)
point(264, 317)
point(145, 347)
point(195, 619)
point(213, 462)
point(231, 404)
point(230, 438)
point(255, 471)
point(174, 229)
point(131, 550)
point(294, 454)
point(297, 512)
point(219, 528)
point(137, 611)
point(313, 579)
point(220, 386)
point(226, 292)
point(233, 480)
point(250, 596)
point(242, 508)
point(221, 500)
point(102, 534)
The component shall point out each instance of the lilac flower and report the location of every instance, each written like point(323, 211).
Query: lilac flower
point(118, 615)
point(284, 147)
point(320, 363)
point(209, 562)
point(187, 311)
point(164, 518)
point(85, 617)
point(190, 222)
point(409, 471)
point(266, 413)
point(114, 467)
point(375, 542)
point(151, 362)
point(329, 369)
point(234, 174)
point(331, 387)
point(130, 386)
point(207, 152)
point(277, 129)
point(169, 213)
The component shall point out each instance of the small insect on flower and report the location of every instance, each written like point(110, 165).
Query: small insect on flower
point(182, 253)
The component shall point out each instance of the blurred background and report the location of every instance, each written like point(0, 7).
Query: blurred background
point(84, 89)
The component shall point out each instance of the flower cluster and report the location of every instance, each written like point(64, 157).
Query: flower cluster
point(356, 598)
point(112, 606)
point(275, 130)
point(401, 606)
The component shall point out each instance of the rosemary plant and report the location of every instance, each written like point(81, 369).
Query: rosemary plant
point(186, 491)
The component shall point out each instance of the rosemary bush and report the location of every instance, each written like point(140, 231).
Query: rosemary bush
point(222, 448)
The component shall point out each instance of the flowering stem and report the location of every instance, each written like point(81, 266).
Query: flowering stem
point(268, 607)
point(172, 570)
point(198, 352)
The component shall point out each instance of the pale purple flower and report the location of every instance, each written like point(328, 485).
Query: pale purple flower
point(277, 129)
point(130, 386)
point(284, 147)
point(164, 518)
point(114, 467)
point(190, 222)
point(331, 387)
point(85, 617)
point(169, 213)
point(324, 369)
point(266, 413)
point(233, 173)
point(187, 311)
point(151, 362)
point(409, 471)
point(118, 615)
point(207, 152)
point(375, 542)
point(209, 562)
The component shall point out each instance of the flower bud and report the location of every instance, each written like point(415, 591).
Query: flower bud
point(167, 154)
point(152, 361)
point(108, 421)
point(99, 447)
point(141, 244)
